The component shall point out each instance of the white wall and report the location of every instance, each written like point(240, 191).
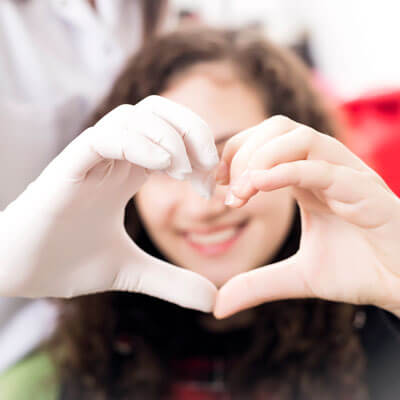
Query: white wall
point(355, 42)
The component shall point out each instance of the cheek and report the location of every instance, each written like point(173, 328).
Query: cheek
point(271, 215)
point(156, 201)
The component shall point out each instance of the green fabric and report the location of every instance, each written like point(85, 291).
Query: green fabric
point(33, 378)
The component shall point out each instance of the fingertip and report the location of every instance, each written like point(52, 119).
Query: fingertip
point(222, 173)
point(243, 192)
point(214, 157)
point(205, 160)
point(179, 174)
point(219, 315)
point(219, 311)
point(203, 183)
point(233, 297)
point(165, 159)
point(232, 201)
point(200, 146)
point(226, 300)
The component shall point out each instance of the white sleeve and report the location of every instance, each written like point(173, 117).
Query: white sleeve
point(31, 136)
point(27, 143)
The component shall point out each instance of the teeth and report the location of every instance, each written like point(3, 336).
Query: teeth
point(213, 238)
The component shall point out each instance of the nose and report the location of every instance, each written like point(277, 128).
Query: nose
point(197, 207)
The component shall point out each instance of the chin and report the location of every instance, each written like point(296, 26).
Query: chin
point(218, 281)
point(218, 274)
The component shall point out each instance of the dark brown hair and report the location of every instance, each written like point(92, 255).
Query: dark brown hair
point(303, 349)
point(152, 11)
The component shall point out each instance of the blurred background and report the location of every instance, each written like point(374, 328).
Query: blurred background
point(351, 47)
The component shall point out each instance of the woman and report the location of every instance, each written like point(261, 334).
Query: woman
point(124, 345)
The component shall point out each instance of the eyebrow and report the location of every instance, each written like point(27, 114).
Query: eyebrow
point(224, 137)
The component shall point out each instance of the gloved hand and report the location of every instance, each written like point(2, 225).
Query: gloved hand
point(64, 235)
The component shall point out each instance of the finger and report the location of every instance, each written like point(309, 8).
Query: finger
point(161, 133)
point(314, 174)
point(241, 146)
point(332, 179)
point(304, 143)
point(203, 183)
point(277, 281)
point(121, 127)
point(94, 145)
point(127, 133)
point(230, 148)
point(196, 134)
point(350, 194)
point(157, 278)
point(261, 135)
point(198, 139)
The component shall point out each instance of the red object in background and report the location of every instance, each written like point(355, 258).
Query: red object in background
point(187, 392)
point(372, 131)
point(198, 378)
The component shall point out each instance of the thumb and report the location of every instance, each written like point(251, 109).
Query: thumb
point(278, 281)
point(157, 278)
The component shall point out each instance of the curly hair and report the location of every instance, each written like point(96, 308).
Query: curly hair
point(297, 349)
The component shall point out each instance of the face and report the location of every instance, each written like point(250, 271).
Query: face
point(206, 236)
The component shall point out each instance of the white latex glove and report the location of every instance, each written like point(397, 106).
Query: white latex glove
point(64, 236)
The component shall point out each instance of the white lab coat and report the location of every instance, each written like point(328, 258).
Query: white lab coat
point(57, 59)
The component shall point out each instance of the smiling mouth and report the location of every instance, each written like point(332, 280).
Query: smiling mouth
point(216, 242)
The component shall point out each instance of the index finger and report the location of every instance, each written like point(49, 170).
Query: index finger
point(249, 141)
point(196, 134)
